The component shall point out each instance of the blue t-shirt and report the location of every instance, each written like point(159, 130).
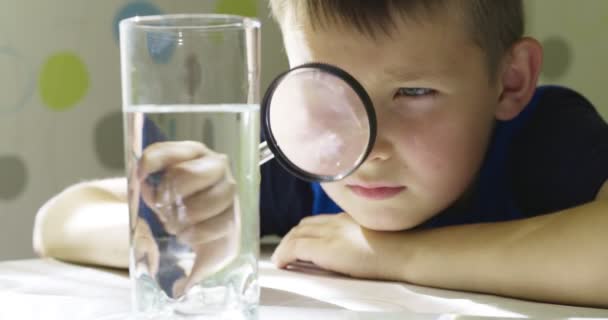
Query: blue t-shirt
point(552, 156)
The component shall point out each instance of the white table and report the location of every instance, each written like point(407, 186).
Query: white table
point(50, 289)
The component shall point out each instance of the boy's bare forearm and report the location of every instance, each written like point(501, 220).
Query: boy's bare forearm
point(560, 257)
point(86, 223)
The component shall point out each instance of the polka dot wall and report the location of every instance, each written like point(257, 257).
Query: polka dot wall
point(60, 120)
point(60, 107)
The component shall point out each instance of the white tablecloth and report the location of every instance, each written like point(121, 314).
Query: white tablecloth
point(49, 289)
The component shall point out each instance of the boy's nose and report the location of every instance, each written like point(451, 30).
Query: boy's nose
point(383, 146)
point(382, 150)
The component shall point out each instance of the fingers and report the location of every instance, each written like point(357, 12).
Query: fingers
point(210, 258)
point(209, 203)
point(305, 242)
point(178, 214)
point(185, 183)
point(157, 156)
point(179, 287)
point(189, 177)
point(294, 249)
point(146, 248)
point(312, 227)
point(298, 243)
point(213, 255)
point(210, 230)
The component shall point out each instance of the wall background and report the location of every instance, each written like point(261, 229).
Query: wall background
point(60, 104)
point(60, 119)
point(575, 38)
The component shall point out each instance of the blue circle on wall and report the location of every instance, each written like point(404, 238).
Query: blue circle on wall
point(132, 9)
point(20, 78)
point(161, 45)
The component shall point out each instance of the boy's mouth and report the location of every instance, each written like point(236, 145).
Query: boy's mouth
point(376, 192)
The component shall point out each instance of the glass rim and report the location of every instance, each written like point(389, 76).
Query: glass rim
point(222, 22)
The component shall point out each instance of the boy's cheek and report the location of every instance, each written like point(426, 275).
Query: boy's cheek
point(438, 165)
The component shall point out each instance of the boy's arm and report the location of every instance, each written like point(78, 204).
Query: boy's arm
point(559, 257)
point(86, 223)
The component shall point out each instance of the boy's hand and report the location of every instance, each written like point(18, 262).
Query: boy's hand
point(187, 184)
point(193, 193)
point(146, 252)
point(338, 243)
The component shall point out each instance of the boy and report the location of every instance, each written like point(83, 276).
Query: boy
point(478, 180)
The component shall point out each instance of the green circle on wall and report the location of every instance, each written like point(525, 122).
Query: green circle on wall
point(247, 8)
point(64, 80)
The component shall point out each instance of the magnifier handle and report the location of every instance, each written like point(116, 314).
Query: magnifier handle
point(265, 153)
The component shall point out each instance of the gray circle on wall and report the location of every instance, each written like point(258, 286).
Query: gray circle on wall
point(13, 177)
point(109, 141)
point(558, 57)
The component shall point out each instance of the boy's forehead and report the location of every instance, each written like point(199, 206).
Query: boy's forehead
point(432, 26)
point(409, 50)
point(372, 18)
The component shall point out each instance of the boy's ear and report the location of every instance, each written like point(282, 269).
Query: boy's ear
point(518, 77)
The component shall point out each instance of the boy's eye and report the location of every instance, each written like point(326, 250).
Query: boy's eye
point(414, 92)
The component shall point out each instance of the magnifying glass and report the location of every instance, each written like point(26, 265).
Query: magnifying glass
point(318, 121)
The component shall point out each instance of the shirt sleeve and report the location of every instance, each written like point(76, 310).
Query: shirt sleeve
point(284, 200)
point(560, 158)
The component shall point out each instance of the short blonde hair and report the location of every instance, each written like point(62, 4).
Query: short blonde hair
point(494, 25)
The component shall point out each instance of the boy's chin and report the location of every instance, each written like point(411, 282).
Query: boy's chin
point(384, 222)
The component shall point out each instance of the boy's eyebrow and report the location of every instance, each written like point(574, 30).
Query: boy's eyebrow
point(409, 74)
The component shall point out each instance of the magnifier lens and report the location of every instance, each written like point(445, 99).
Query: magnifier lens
point(319, 123)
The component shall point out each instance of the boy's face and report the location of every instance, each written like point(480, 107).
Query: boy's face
point(435, 107)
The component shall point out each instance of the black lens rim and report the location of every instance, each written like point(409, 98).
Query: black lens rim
point(272, 143)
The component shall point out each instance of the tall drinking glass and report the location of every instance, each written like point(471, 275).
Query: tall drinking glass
point(190, 87)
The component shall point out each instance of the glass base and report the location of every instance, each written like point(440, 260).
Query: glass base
point(231, 296)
